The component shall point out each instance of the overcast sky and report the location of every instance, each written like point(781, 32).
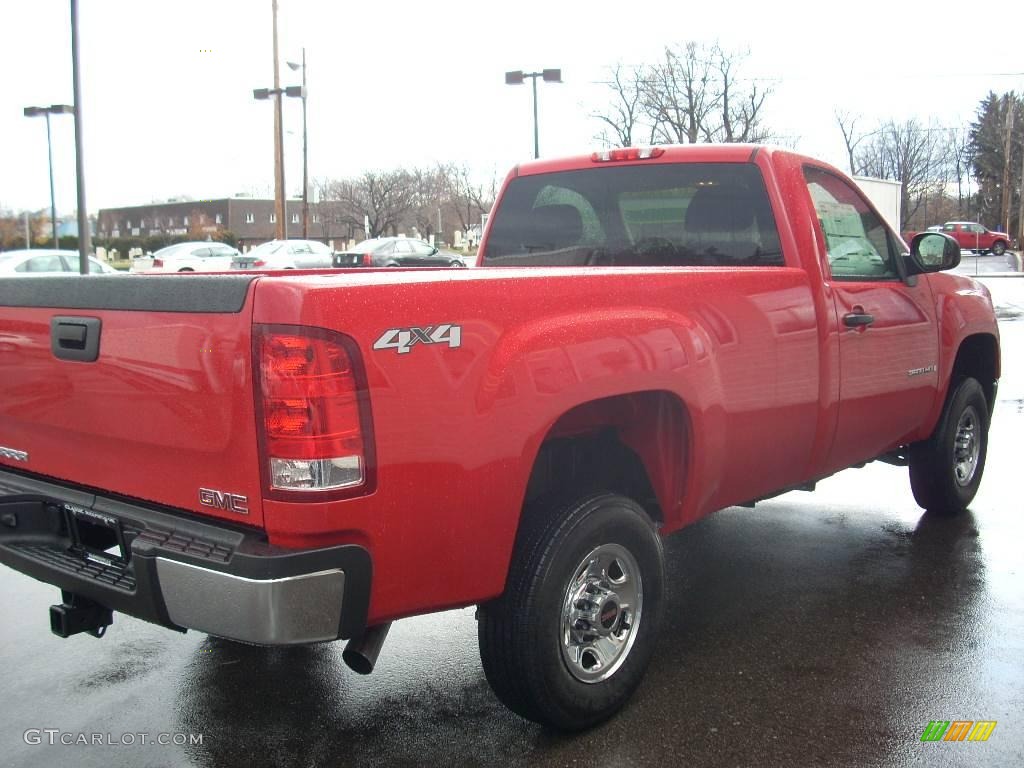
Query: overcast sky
point(167, 87)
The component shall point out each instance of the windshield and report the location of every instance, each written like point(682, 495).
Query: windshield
point(692, 214)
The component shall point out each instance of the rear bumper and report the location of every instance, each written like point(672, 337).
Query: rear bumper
point(174, 570)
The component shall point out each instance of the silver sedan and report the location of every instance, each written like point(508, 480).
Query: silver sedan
point(46, 261)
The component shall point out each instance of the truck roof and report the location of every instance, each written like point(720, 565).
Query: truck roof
point(693, 153)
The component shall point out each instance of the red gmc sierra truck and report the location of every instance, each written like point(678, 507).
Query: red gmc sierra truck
point(650, 335)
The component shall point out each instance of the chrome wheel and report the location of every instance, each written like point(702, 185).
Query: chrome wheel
point(601, 612)
point(966, 447)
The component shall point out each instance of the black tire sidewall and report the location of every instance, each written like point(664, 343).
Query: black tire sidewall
point(935, 459)
point(609, 520)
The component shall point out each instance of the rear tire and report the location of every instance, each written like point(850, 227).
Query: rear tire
point(570, 639)
point(186, 269)
point(946, 469)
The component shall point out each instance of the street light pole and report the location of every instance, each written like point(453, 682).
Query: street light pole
point(305, 149)
point(548, 76)
point(53, 201)
point(536, 135)
point(56, 109)
point(84, 236)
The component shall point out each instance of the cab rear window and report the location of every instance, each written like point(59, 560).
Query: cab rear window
point(683, 214)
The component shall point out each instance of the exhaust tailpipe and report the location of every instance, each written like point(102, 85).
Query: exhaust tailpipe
point(362, 651)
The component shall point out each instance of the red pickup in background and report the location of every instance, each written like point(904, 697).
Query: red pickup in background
point(972, 236)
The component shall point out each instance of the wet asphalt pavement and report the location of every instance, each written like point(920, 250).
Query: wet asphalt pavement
point(821, 628)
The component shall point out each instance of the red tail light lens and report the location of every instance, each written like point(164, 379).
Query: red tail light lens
point(158, 262)
point(259, 263)
point(367, 259)
point(314, 412)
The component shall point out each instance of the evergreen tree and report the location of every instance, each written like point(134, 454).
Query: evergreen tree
point(988, 142)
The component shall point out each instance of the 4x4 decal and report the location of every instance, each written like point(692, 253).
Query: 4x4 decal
point(403, 339)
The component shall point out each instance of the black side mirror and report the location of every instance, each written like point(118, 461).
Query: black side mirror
point(934, 252)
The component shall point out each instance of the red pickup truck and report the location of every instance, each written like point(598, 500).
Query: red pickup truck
point(652, 335)
point(972, 236)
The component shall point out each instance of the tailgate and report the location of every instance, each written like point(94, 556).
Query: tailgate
point(164, 410)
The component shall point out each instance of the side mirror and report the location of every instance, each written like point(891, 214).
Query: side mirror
point(433, 251)
point(934, 252)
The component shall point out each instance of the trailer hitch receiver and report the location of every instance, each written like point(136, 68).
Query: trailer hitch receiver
point(79, 614)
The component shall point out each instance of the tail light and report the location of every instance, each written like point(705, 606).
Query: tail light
point(313, 413)
point(158, 262)
point(259, 263)
point(367, 259)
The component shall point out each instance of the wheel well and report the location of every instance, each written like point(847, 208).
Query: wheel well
point(630, 444)
point(977, 358)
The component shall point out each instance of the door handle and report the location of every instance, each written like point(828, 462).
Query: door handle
point(859, 319)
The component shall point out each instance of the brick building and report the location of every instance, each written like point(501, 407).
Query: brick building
point(251, 220)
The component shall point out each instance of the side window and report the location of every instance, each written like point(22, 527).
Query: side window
point(949, 227)
point(201, 253)
point(859, 245)
point(47, 263)
point(402, 248)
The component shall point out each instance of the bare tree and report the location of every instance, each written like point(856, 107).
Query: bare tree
point(625, 112)
point(960, 156)
point(380, 198)
point(909, 153)
point(740, 107)
point(470, 198)
point(693, 93)
point(851, 138)
point(680, 93)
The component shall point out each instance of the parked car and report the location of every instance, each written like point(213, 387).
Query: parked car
point(194, 257)
point(45, 261)
point(286, 254)
point(396, 252)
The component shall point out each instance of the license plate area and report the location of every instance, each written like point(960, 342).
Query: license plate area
point(97, 537)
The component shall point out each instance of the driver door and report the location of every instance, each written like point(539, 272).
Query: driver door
point(888, 339)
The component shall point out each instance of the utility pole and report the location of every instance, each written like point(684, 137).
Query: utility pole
point(1020, 211)
point(280, 228)
point(28, 233)
point(305, 155)
point(1007, 191)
